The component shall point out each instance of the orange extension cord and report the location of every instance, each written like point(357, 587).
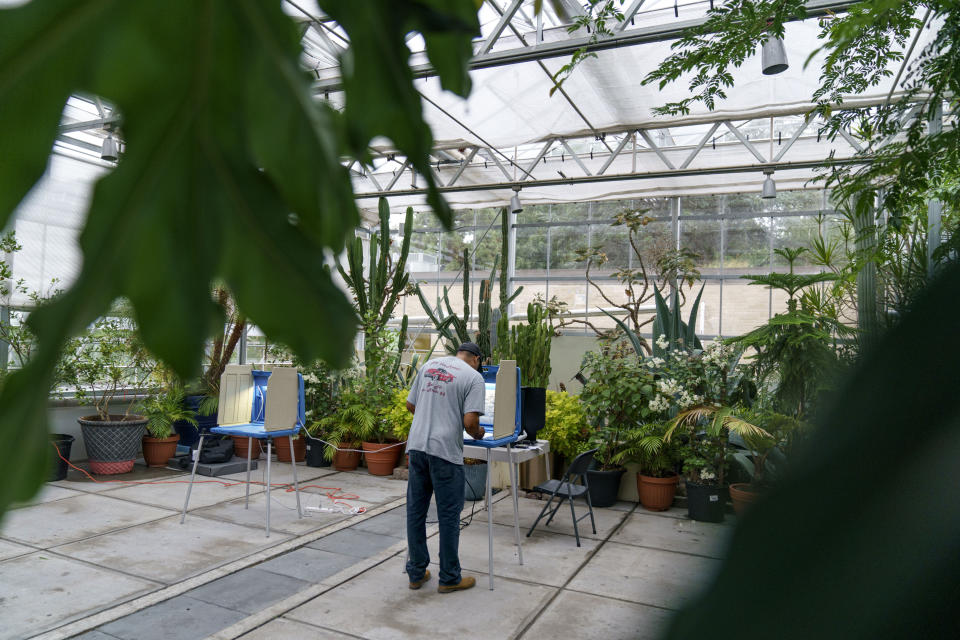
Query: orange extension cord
point(335, 494)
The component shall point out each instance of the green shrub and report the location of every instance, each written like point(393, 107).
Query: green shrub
point(566, 424)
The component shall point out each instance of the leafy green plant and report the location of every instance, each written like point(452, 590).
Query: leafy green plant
point(224, 344)
point(397, 416)
point(647, 446)
point(566, 426)
point(223, 141)
point(764, 457)
point(616, 398)
point(707, 429)
point(104, 362)
point(794, 352)
point(163, 409)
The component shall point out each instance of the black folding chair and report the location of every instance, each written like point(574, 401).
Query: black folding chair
point(567, 488)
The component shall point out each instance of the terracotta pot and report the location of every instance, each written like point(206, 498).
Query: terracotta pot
point(742, 495)
point(282, 447)
point(346, 460)
point(156, 451)
point(381, 458)
point(240, 445)
point(656, 494)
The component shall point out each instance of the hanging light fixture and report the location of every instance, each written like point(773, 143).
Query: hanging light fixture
point(515, 206)
point(769, 186)
point(773, 55)
point(110, 150)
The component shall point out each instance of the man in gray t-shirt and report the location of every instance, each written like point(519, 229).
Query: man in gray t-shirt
point(446, 399)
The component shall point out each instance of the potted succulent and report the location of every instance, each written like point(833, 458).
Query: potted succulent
point(705, 456)
point(101, 363)
point(657, 479)
point(617, 397)
point(162, 411)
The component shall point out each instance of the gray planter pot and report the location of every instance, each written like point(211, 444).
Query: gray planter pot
point(474, 481)
point(115, 440)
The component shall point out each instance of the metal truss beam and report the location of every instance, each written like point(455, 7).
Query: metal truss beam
point(646, 138)
point(652, 175)
point(505, 19)
point(566, 47)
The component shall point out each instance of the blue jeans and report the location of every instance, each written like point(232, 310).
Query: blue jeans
point(430, 474)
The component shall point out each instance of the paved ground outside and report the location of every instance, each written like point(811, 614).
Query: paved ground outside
point(107, 561)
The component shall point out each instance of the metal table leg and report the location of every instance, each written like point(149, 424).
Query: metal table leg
point(246, 504)
point(269, 451)
point(514, 481)
point(193, 474)
point(296, 487)
point(490, 519)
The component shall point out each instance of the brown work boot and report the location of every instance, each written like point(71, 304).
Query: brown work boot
point(419, 583)
point(465, 583)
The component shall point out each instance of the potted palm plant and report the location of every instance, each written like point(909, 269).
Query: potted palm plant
point(705, 456)
point(342, 428)
point(105, 361)
point(162, 411)
point(657, 479)
point(616, 397)
point(762, 458)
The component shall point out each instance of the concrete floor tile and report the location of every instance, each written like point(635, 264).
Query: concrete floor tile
point(311, 565)
point(623, 505)
point(672, 512)
point(378, 605)
point(283, 512)
point(180, 618)
point(674, 534)
point(391, 523)
point(167, 551)
point(366, 488)
point(646, 576)
point(94, 635)
point(62, 521)
point(606, 519)
point(49, 493)
point(206, 491)
point(249, 591)
point(41, 591)
point(141, 473)
point(354, 542)
point(548, 559)
point(588, 616)
point(12, 550)
point(283, 629)
point(280, 473)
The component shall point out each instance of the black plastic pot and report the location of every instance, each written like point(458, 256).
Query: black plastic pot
point(534, 409)
point(189, 434)
point(706, 502)
point(63, 443)
point(315, 456)
point(604, 486)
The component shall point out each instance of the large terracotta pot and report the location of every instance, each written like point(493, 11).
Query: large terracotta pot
point(112, 445)
point(346, 460)
point(156, 451)
point(742, 496)
point(381, 458)
point(656, 494)
point(282, 447)
point(241, 444)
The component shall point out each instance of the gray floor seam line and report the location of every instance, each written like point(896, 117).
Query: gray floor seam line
point(159, 583)
point(606, 597)
point(683, 553)
point(586, 561)
point(175, 589)
point(97, 535)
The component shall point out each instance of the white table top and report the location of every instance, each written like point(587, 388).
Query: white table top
point(502, 454)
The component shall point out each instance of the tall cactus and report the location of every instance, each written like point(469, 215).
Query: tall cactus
point(376, 295)
point(529, 345)
point(455, 329)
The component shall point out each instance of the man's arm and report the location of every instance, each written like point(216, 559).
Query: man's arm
point(412, 408)
point(471, 424)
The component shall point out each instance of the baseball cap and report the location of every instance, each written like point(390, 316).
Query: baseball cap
point(470, 347)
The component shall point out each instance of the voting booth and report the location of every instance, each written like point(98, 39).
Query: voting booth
point(247, 410)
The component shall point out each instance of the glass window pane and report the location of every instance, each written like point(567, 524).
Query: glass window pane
point(745, 306)
point(795, 233)
point(564, 242)
point(702, 237)
point(747, 245)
